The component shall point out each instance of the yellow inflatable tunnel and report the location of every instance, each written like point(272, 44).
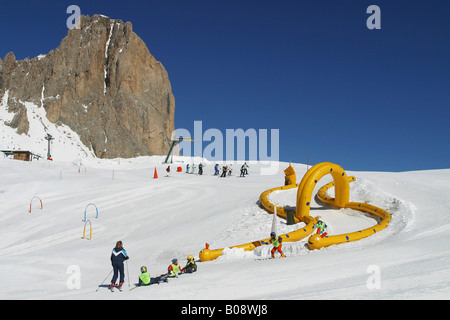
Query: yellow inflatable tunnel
point(341, 183)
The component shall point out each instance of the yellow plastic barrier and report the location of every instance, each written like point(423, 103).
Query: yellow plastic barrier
point(341, 183)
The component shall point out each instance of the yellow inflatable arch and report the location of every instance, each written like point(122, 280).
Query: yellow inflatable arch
point(309, 182)
point(341, 183)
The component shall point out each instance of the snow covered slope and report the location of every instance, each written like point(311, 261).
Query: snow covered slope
point(43, 254)
point(66, 145)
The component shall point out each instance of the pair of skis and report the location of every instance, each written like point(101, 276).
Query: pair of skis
point(163, 278)
point(118, 287)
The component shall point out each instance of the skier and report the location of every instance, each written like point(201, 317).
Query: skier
point(146, 280)
point(118, 256)
point(245, 166)
point(191, 266)
point(174, 269)
point(276, 244)
point(230, 169)
point(200, 169)
point(321, 226)
point(242, 172)
point(216, 169)
point(224, 171)
point(187, 168)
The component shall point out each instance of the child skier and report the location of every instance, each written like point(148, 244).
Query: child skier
point(321, 226)
point(276, 245)
point(146, 280)
point(191, 266)
point(118, 256)
point(174, 269)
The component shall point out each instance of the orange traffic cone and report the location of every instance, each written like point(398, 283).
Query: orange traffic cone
point(155, 175)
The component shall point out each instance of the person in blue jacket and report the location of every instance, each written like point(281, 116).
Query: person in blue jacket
point(216, 169)
point(118, 256)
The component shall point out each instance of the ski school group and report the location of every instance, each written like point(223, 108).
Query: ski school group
point(119, 255)
point(226, 170)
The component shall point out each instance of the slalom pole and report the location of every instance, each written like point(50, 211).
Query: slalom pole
point(104, 279)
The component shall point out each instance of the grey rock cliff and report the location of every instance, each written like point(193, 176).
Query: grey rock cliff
point(103, 83)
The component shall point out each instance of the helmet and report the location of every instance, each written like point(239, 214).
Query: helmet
point(190, 257)
point(174, 260)
point(143, 269)
point(273, 234)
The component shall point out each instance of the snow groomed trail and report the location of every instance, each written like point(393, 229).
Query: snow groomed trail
point(341, 183)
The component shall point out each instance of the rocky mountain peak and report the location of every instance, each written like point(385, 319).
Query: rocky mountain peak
point(103, 83)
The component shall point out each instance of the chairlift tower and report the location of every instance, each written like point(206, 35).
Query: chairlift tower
point(49, 138)
point(174, 143)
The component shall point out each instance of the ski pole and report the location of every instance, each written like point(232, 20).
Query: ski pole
point(104, 280)
point(134, 288)
point(128, 274)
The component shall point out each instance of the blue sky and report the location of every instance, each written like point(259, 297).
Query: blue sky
point(365, 99)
